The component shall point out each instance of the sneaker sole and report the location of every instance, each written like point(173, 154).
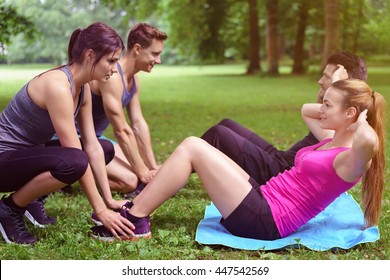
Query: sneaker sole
point(96, 222)
point(32, 220)
point(7, 240)
point(131, 239)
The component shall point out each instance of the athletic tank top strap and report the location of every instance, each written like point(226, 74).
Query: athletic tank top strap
point(69, 75)
point(126, 95)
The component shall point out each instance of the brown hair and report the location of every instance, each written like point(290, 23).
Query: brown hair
point(143, 34)
point(359, 95)
point(355, 66)
point(99, 37)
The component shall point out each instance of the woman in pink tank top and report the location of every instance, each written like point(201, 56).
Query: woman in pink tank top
point(349, 125)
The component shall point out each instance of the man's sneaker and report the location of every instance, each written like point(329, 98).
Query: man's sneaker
point(36, 214)
point(137, 190)
point(12, 226)
point(142, 227)
point(95, 218)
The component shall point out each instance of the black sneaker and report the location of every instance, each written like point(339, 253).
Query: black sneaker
point(137, 190)
point(36, 214)
point(12, 226)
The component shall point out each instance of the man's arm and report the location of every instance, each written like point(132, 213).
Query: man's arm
point(141, 129)
point(111, 92)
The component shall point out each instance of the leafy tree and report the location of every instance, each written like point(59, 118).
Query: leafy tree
point(272, 37)
point(55, 21)
point(350, 35)
point(12, 23)
point(375, 37)
point(299, 55)
point(210, 31)
point(254, 59)
point(332, 28)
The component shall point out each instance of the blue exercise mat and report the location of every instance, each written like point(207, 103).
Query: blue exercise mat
point(340, 225)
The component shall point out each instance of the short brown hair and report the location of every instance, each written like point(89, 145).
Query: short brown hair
point(143, 34)
point(355, 66)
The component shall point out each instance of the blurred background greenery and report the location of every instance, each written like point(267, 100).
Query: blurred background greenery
point(264, 34)
point(192, 90)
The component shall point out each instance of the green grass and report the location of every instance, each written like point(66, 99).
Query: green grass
point(179, 101)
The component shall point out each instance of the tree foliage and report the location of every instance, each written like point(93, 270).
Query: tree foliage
point(12, 23)
point(206, 31)
point(55, 22)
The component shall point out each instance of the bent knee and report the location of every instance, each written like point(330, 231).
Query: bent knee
point(193, 144)
point(72, 167)
point(226, 122)
point(191, 141)
point(108, 149)
point(124, 183)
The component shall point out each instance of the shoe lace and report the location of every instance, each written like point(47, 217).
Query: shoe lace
point(18, 222)
point(125, 207)
point(40, 203)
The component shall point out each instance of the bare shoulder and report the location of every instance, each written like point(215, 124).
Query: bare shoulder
point(49, 85)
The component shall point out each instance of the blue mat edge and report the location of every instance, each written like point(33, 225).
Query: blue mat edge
point(373, 231)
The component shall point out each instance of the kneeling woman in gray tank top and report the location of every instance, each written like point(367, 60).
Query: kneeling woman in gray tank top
point(30, 165)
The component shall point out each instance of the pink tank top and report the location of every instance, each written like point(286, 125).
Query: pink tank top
point(299, 194)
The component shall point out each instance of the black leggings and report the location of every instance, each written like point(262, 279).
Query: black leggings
point(256, 156)
point(65, 164)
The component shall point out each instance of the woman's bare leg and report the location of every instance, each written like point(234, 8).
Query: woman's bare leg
point(225, 182)
point(42, 184)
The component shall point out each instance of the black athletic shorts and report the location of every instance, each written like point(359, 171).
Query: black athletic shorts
point(253, 217)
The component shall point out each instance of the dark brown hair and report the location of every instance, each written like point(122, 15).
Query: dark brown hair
point(143, 34)
point(99, 37)
point(355, 66)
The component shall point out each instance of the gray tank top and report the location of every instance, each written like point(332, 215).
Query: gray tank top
point(23, 124)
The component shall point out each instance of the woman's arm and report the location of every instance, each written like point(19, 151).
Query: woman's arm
point(117, 224)
point(94, 150)
point(311, 116)
point(365, 145)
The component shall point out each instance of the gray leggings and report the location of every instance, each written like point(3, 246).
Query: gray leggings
point(67, 165)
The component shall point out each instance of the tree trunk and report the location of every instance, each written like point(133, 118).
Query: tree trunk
point(254, 44)
point(332, 23)
point(358, 27)
point(272, 37)
point(298, 67)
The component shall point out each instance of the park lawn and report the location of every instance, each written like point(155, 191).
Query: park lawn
point(179, 101)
